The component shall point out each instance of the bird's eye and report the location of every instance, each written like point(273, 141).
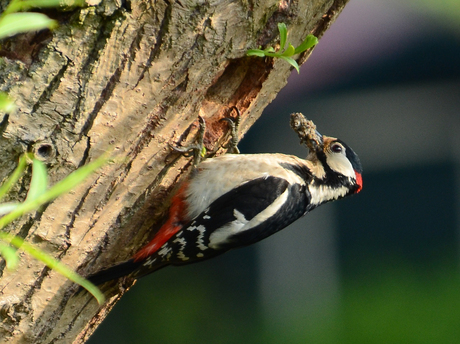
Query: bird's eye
point(337, 148)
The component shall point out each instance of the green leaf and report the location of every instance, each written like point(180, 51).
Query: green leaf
point(38, 198)
point(25, 5)
point(292, 62)
point(56, 190)
point(6, 186)
point(53, 264)
point(283, 34)
point(289, 51)
point(14, 23)
point(39, 182)
point(6, 208)
point(308, 43)
point(255, 52)
point(10, 256)
point(6, 103)
point(203, 151)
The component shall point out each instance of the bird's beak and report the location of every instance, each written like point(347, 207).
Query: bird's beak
point(319, 139)
point(314, 141)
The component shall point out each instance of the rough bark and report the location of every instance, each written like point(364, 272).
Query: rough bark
point(130, 78)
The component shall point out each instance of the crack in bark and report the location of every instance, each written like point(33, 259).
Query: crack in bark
point(85, 156)
point(146, 135)
point(105, 29)
point(104, 96)
point(156, 48)
point(71, 324)
point(36, 285)
point(51, 321)
point(135, 46)
point(4, 123)
point(52, 86)
point(74, 214)
point(25, 302)
point(89, 329)
point(95, 253)
point(25, 228)
point(284, 14)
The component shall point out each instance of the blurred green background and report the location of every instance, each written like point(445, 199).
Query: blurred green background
point(380, 267)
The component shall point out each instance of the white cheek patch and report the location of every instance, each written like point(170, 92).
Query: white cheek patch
point(339, 163)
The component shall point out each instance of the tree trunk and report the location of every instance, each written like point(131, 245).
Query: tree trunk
point(130, 78)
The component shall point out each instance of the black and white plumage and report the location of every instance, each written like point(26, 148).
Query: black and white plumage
point(236, 200)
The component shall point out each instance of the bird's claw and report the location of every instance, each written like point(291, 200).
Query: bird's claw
point(234, 123)
point(196, 149)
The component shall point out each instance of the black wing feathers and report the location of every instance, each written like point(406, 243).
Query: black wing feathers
point(295, 207)
point(249, 199)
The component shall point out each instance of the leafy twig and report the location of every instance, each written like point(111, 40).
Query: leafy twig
point(37, 196)
point(284, 52)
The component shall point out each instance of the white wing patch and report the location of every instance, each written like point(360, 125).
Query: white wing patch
point(271, 210)
point(221, 234)
point(240, 224)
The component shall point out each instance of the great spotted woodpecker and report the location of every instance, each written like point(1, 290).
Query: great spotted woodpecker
point(236, 200)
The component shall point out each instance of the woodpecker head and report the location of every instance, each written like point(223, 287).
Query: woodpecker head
point(339, 159)
point(337, 169)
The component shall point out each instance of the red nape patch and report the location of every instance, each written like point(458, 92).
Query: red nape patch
point(359, 181)
point(177, 213)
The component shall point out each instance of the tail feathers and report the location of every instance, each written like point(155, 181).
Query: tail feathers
point(132, 267)
point(114, 272)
